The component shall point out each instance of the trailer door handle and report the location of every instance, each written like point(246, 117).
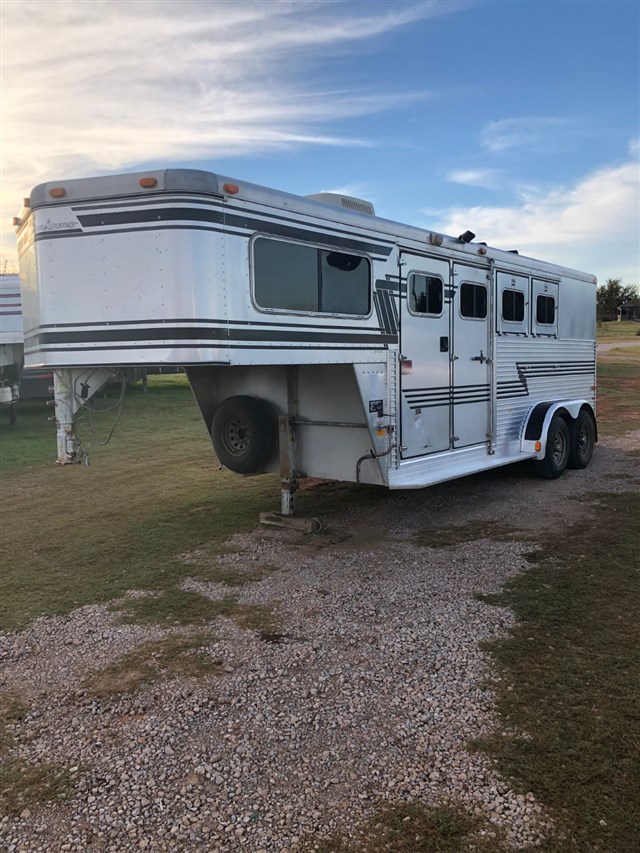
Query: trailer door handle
point(481, 358)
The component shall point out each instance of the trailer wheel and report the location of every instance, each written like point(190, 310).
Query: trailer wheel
point(243, 434)
point(556, 456)
point(582, 439)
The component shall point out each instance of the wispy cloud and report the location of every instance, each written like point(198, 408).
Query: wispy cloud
point(110, 84)
point(487, 178)
point(538, 133)
point(583, 226)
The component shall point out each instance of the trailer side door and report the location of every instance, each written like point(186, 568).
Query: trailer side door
point(425, 356)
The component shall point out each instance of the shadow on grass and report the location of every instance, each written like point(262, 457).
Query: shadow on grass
point(571, 678)
point(416, 829)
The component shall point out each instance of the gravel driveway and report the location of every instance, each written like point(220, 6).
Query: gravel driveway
point(369, 696)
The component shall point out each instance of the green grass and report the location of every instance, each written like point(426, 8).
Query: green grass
point(618, 397)
point(77, 535)
point(612, 330)
point(571, 678)
point(174, 606)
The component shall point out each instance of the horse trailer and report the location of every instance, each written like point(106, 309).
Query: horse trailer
point(319, 339)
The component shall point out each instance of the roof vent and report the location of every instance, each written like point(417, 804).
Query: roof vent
point(346, 201)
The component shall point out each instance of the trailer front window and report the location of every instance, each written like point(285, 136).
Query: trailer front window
point(295, 277)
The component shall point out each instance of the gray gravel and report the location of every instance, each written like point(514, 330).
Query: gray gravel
point(370, 695)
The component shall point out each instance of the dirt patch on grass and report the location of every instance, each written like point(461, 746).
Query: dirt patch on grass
point(416, 829)
point(178, 655)
point(23, 784)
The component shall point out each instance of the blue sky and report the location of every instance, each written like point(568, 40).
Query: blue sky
point(519, 120)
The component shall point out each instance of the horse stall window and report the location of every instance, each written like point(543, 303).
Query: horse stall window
point(473, 301)
point(426, 294)
point(513, 306)
point(545, 310)
point(297, 277)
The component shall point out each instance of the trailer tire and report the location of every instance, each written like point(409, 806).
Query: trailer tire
point(556, 456)
point(243, 434)
point(582, 439)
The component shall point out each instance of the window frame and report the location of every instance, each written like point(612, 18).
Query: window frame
point(549, 288)
point(324, 247)
point(553, 323)
point(465, 316)
point(524, 305)
point(426, 275)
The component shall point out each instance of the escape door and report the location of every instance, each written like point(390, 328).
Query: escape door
point(471, 376)
point(445, 376)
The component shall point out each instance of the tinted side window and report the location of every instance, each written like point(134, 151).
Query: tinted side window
point(513, 306)
point(546, 310)
point(293, 277)
point(473, 300)
point(344, 283)
point(426, 294)
point(286, 275)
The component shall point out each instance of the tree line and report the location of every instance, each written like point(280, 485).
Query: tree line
point(612, 294)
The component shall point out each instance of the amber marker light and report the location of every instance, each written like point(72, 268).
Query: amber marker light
point(17, 221)
point(148, 183)
point(232, 189)
point(56, 192)
point(381, 432)
point(482, 251)
point(538, 447)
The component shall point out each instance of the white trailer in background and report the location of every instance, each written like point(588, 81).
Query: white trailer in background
point(319, 339)
point(11, 341)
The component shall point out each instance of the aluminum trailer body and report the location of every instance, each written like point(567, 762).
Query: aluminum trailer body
point(318, 338)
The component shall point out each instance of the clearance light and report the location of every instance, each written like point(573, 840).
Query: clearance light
point(147, 183)
point(17, 221)
point(482, 251)
point(538, 447)
point(57, 192)
point(232, 189)
point(26, 202)
point(381, 432)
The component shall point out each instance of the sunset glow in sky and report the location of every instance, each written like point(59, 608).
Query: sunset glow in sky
point(518, 120)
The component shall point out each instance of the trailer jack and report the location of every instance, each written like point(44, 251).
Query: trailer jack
point(289, 483)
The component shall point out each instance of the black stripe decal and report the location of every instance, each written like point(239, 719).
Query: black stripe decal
point(338, 227)
point(541, 370)
point(351, 245)
point(35, 350)
point(162, 323)
point(181, 333)
point(229, 220)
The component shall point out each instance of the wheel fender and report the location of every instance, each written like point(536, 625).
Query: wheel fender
point(536, 425)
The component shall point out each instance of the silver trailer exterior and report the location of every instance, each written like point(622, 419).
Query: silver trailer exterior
point(318, 339)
